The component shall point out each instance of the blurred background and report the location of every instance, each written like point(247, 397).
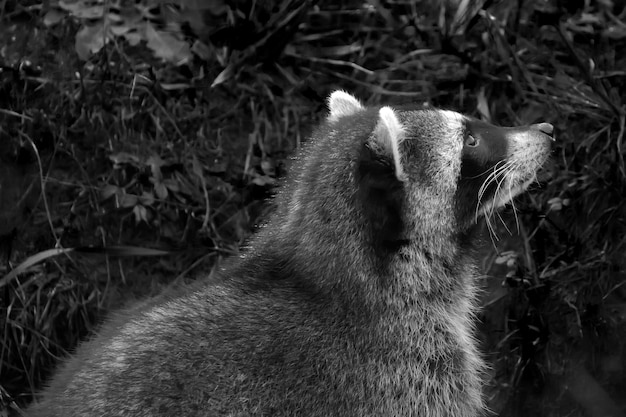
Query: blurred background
point(140, 141)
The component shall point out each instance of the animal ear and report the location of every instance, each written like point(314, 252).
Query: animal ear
point(342, 104)
point(381, 180)
point(386, 138)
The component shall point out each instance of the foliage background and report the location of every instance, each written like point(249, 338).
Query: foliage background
point(140, 140)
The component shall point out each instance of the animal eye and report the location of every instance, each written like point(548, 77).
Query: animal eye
point(471, 141)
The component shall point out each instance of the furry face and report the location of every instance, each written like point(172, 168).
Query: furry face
point(498, 164)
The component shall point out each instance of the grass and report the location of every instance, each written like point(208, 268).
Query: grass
point(123, 153)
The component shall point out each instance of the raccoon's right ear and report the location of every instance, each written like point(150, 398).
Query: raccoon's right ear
point(381, 179)
point(386, 138)
point(342, 104)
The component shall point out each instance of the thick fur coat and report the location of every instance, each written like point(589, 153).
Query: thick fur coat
point(356, 299)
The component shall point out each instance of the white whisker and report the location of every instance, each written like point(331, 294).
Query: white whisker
point(500, 169)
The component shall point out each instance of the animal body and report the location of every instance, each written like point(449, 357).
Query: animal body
point(356, 299)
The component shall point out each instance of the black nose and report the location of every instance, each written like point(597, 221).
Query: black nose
point(546, 128)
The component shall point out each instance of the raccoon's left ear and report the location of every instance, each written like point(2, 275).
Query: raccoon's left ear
point(386, 138)
point(342, 104)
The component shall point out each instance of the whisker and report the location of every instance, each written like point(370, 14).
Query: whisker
point(499, 173)
point(511, 168)
point(502, 167)
point(514, 209)
point(503, 223)
point(496, 171)
point(499, 176)
point(492, 233)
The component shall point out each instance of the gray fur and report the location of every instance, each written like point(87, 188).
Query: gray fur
point(314, 319)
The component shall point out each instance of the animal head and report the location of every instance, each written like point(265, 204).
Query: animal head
point(409, 174)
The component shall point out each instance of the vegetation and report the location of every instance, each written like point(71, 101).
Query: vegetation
point(139, 141)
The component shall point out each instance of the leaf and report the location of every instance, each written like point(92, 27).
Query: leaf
point(121, 250)
point(223, 76)
point(108, 191)
point(171, 184)
point(128, 200)
point(124, 158)
point(615, 32)
point(31, 261)
point(341, 50)
point(120, 29)
point(161, 190)
point(202, 50)
point(111, 251)
point(132, 37)
point(215, 7)
point(507, 257)
point(53, 17)
point(196, 168)
point(90, 39)
point(557, 203)
point(83, 11)
point(156, 163)
point(267, 166)
point(147, 198)
point(166, 46)
point(141, 213)
point(263, 180)
point(482, 106)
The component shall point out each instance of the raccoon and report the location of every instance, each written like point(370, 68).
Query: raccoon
point(355, 299)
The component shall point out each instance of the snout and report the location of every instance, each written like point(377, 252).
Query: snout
point(539, 134)
point(545, 128)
